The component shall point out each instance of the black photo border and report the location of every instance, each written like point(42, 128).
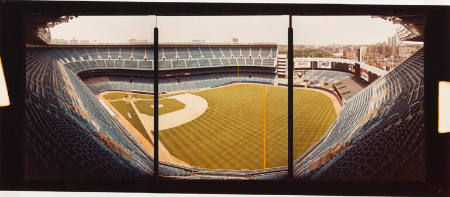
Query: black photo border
point(12, 51)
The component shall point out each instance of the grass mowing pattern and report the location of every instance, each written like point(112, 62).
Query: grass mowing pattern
point(169, 105)
point(115, 95)
point(229, 135)
point(313, 114)
point(142, 96)
point(124, 108)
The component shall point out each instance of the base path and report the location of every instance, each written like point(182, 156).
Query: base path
point(195, 106)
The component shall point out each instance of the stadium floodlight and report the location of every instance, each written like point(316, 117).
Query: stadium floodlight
point(444, 107)
point(4, 98)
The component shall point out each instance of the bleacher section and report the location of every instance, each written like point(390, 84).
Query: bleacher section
point(70, 132)
point(170, 57)
point(347, 88)
point(326, 76)
point(375, 132)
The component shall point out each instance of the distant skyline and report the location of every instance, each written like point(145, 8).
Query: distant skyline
point(308, 30)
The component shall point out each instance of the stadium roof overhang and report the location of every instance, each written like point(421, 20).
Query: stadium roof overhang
point(413, 26)
point(37, 26)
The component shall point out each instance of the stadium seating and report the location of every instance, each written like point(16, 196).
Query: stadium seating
point(216, 62)
point(376, 131)
point(235, 52)
point(183, 53)
point(217, 52)
point(171, 84)
point(95, 144)
point(195, 53)
point(326, 76)
point(245, 52)
point(226, 51)
point(192, 63)
point(179, 64)
point(138, 53)
point(114, 53)
point(206, 52)
point(225, 62)
point(265, 52)
point(102, 53)
point(125, 53)
point(70, 132)
point(169, 53)
point(255, 52)
point(146, 65)
point(80, 59)
point(268, 62)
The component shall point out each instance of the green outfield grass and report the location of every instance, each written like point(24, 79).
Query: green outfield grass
point(115, 95)
point(229, 135)
point(142, 96)
point(169, 105)
point(126, 108)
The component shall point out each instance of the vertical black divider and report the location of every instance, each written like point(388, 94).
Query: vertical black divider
point(290, 100)
point(155, 100)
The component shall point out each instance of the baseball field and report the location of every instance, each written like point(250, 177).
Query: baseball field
point(227, 130)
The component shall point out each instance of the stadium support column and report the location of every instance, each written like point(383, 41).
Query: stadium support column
point(290, 99)
point(156, 104)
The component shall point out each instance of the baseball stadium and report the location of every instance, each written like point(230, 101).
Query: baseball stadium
point(222, 110)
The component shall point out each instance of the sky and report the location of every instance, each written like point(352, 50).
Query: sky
point(308, 30)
